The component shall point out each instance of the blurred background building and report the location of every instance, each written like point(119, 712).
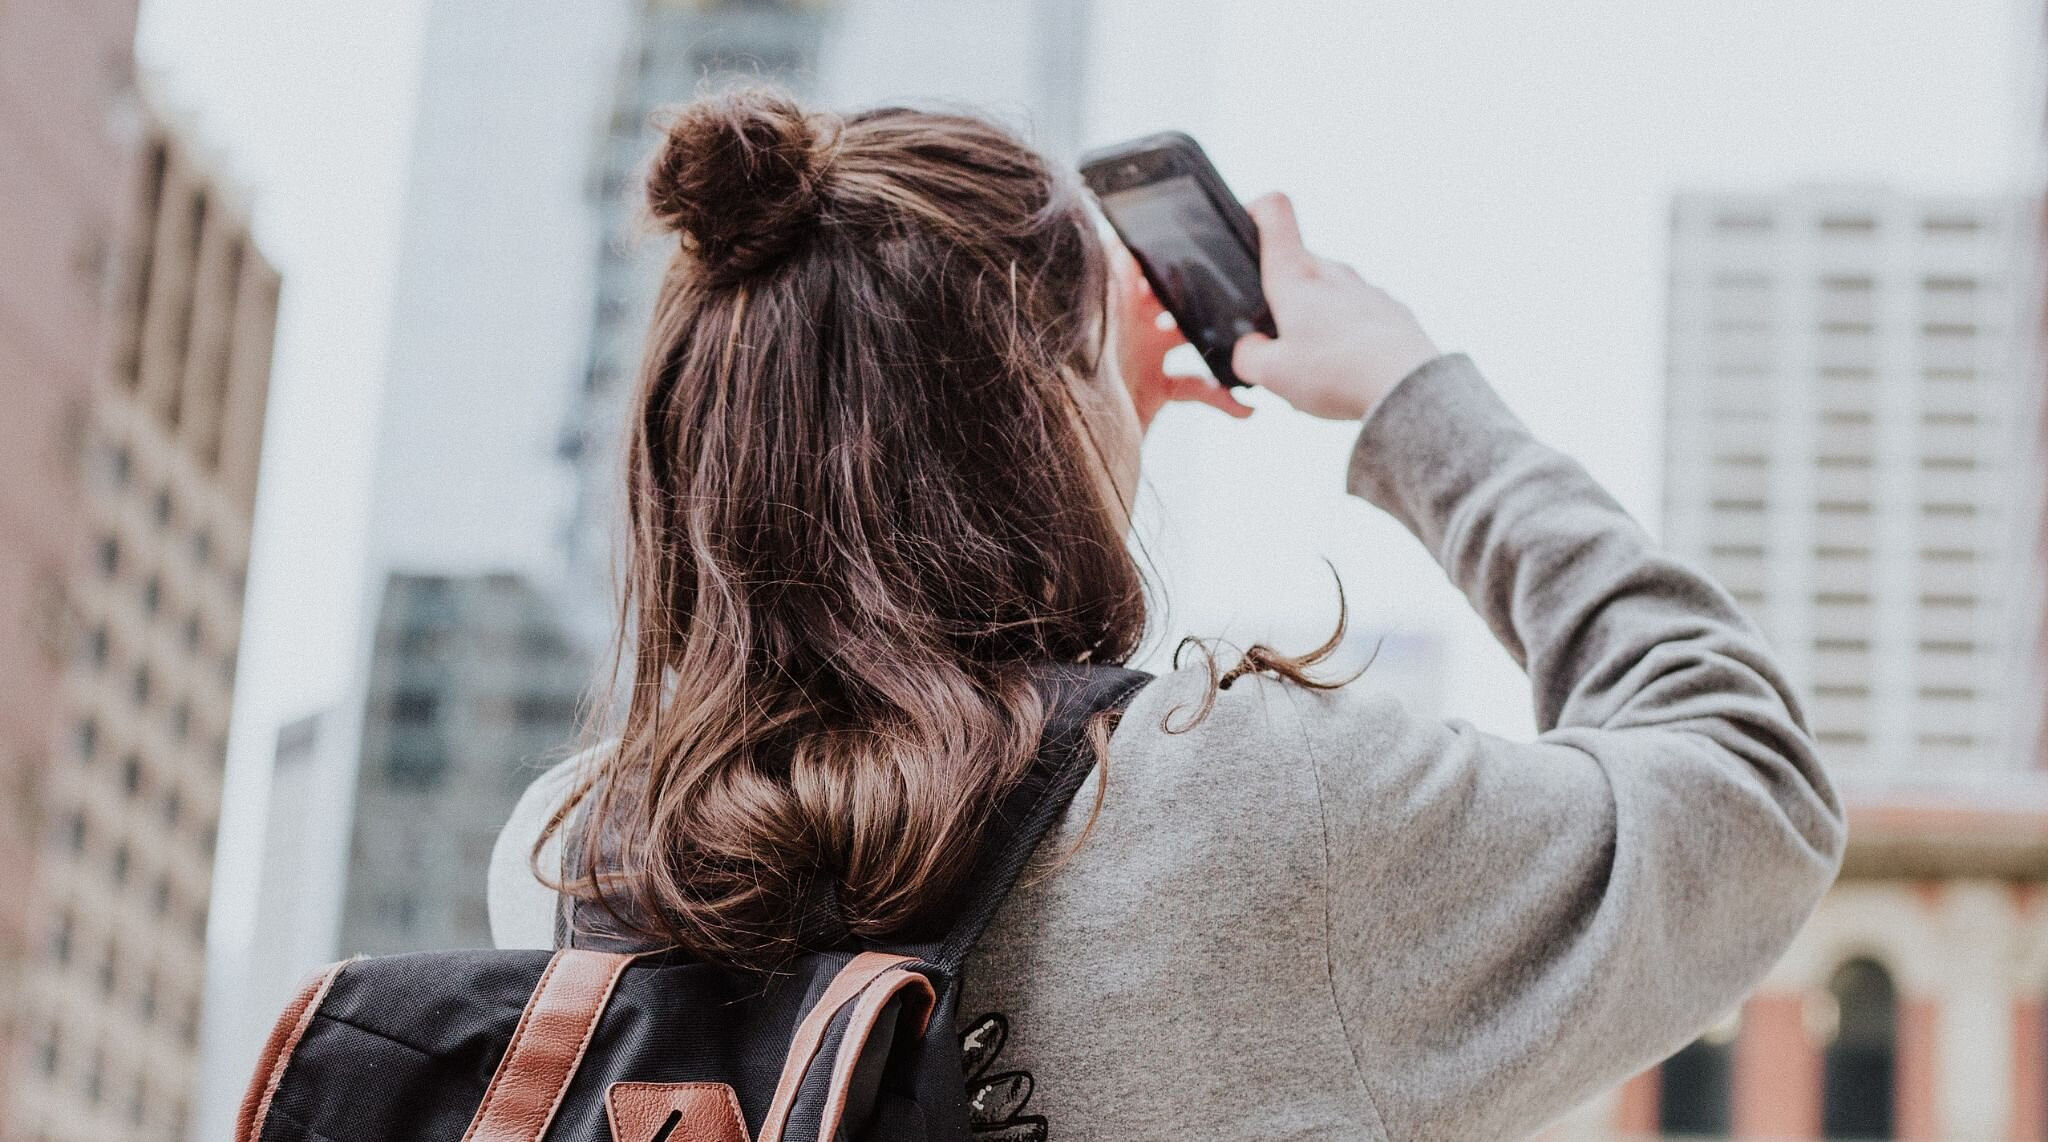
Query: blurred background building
point(66, 127)
point(1851, 448)
point(165, 449)
point(473, 685)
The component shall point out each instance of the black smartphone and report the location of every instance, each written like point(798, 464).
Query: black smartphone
point(1196, 244)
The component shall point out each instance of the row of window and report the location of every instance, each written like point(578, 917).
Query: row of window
point(136, 780)
point(1830, 551)
point(1847, 225)
point(97, 1085)
point(1857, 1018)
point(417, 708)
point(1753, 366)
point(1857, 739)
point(76, 837)
point(108, 559)
point(1933, 463)
point(1736, 281)
point(1850, 691)
point(151, 1006)
point(1939, 601)
point(1756, 329)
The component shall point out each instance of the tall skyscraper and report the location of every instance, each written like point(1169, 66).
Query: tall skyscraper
point(1022, 61)
point(474, 689)
point(65, 115)
point(675, 49)
point(1848, 438)
point(168, 441)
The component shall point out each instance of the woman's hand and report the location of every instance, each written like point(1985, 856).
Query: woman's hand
point(1144, 334)
point(1343, 343)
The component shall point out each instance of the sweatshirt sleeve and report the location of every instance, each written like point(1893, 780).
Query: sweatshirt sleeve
point(1515, 926)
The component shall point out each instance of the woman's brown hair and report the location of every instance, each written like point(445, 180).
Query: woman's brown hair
point(863, 505)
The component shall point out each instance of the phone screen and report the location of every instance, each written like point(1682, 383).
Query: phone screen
point(1200, 266)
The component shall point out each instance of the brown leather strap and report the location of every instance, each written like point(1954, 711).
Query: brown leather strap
point(277, 1051)
point(852, 979)
point(918, 997)
point(547, 1046)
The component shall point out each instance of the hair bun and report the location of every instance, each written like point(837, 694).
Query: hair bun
point(738, 179)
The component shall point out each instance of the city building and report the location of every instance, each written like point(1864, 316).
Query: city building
point(474, 689)
point(1849, 448)
point(489, 301)
point(1845, 443)
point(68, 104)
point(168, 439)
point(1022, 61)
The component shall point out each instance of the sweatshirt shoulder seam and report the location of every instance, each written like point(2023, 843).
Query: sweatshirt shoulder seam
point(1315, 766)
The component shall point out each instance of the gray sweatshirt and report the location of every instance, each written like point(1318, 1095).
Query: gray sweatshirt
point(1316, 916)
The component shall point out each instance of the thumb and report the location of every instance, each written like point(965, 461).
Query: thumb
point(1279, 234)
point(1252, 358)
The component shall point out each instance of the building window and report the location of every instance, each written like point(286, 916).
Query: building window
point(75, 831)
point(544, 711)
point(122, 860)
point(416, 760)
point(414, 709)
point(61, 939)
point(192, 632)
point(131, 774)
point(1860, 1066)
point(141, 686)
point(1695, 1086)
point(109, 555)
point(152, 595)
point(202, 547)
point(98, 646)
point(88, 738)
point(160, 506)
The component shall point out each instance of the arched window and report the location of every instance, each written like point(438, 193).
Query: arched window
point(1861, 1062)
point(1694, 1088)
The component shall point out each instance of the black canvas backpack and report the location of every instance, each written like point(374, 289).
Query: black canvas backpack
point(600, 1040)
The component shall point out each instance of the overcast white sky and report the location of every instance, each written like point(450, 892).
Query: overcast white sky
point(1502, 166)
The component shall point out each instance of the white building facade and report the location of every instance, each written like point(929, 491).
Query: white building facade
point(1848, 448)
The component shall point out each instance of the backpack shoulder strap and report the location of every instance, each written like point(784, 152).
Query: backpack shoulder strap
point(1074, 694)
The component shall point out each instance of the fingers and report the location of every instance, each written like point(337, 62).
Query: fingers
point(1280, 244)
point(1203, 390)
point(1252, 358)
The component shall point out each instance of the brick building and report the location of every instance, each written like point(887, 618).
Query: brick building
point(65, 104)
point(166, 446)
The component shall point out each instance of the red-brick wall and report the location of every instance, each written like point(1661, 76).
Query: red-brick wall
point(66, 76)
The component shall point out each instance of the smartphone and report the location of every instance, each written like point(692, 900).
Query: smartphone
point(1196, 244)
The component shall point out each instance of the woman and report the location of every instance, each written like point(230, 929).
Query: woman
point(880, 457)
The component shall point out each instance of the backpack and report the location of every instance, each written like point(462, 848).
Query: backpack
point(601, 1040)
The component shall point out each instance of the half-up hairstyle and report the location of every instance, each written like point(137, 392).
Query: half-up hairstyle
point(863, 505)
